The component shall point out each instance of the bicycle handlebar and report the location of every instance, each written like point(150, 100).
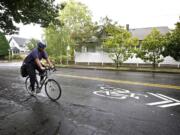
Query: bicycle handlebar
point(50, 68)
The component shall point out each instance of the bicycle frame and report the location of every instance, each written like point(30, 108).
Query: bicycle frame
point(44, 79)
point(41, 84)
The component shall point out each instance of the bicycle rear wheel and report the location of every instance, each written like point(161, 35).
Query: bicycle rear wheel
point(53, 89)
point(28, 86)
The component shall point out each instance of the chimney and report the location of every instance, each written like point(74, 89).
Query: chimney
point(127, 27)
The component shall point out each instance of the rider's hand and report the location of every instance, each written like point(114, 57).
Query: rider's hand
point(52, 66)
point(42, 68)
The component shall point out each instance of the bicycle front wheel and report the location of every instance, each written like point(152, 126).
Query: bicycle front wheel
point(53, 89)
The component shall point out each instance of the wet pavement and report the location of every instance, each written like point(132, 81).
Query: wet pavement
point(90, 105)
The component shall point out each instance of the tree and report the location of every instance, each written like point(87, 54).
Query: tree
point(152, 47)
point(119, 43)
point(77, 18)
point(4, 45)
point(57, 41)
point(100, 30)
point(32, 11)
point(76, 29)
point(32, 44)
point(172, 47)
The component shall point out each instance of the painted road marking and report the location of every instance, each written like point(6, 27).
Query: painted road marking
point(167, 101)
point(121, 81)
point(117, 93)
point(169, 98)
point(157, 95)
point(169, 105)
point(122, 94)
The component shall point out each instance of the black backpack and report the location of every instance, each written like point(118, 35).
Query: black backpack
point(23, 70)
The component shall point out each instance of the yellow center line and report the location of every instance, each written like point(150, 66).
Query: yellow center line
point(121, 81)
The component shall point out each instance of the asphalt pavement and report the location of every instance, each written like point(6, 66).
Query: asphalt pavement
point(93, 102)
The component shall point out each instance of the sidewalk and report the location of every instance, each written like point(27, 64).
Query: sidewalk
point(10, 64)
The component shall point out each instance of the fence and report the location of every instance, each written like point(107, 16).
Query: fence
point(102, 58)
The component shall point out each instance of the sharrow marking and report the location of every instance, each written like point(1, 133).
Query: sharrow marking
point(167, 101)
point(169, 105)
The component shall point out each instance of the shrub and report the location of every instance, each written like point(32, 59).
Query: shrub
point(58, 59)
point(17, 57)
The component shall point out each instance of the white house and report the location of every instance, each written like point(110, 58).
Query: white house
point(18, 45)
point(96, 55)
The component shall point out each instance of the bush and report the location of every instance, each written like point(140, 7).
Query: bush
point(58, 59)
point(6, 57)
point(17, 57)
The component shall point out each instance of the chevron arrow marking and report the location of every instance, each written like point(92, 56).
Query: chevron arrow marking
point(167, 101)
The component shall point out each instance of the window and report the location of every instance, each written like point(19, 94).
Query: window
point(84, 49)
point(140, 44)
point(91, 49)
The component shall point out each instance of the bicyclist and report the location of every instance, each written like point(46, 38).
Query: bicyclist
point(33, 62)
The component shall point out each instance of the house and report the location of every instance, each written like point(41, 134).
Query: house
point(18, 45)
point(141, 33)
point(91, 52)
point(98, 56)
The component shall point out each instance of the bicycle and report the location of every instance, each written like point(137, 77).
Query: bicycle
point(52, 87)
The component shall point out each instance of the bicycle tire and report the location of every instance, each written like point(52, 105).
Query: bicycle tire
point(58, 89)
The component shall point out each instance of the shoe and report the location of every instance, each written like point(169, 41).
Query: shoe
point(32, 92)
point(29, 88)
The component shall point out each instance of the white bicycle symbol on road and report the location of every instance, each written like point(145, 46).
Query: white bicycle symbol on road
point(117, 93)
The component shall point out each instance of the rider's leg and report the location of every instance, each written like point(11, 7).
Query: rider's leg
point(41, 72)
point(32, 74)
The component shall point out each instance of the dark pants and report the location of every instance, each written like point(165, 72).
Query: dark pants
point(31, 70)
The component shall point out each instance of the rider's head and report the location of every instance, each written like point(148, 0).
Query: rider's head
point(41, 46)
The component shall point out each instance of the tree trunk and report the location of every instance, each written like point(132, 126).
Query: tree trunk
point(117, 62)
point(117, 65)
point(154, 62)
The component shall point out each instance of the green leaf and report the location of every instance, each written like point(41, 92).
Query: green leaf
point(4, 45)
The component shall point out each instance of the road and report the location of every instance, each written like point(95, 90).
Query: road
point(93, 102)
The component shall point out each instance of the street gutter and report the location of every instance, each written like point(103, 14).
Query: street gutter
point(170, 70)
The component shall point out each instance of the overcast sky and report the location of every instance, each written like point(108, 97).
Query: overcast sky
point(136, 13)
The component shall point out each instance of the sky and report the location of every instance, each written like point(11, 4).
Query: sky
point(136, 13)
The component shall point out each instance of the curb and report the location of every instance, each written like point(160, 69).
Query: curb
point(114, 69)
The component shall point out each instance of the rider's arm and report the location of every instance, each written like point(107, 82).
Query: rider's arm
point(49, 62)
point(45, 56)
point(37, 61)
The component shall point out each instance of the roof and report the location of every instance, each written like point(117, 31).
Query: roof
point(141, 33)
point(15, 49)
point(20, 41)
